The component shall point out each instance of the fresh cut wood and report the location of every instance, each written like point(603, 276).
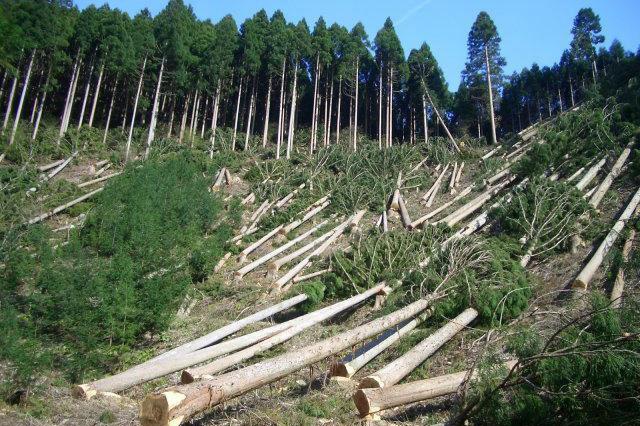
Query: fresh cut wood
point(301, 324)
point(404, 213)
point(596, 198)
point(166, 363)
point(63, 207)
point(301, 278)
point(400, 368)
point(426, 196)
point(454, 176)
point(436, 187)
point(180, 403)
point(371, 401)
point(274, 266)
point(589, 270)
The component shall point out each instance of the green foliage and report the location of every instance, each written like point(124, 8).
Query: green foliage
point(315, 292)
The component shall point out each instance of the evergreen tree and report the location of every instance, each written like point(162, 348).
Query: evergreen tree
point(586, 36)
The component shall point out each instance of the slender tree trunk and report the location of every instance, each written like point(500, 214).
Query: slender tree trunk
point(328, 125)
point(70, 98)
point(86, 96)
point(97, 94)
point(183, 121)
point(560, 100)
point(425, 119)
point(113, 98)
point(25, 86)
point(214, 119)
point(594, 71)
point(355, 112)
point(172, 116)
point(267, 111)
point(124, 114)
point(281, 111)
point(4, 80)
point(45, 91)
point(573, 101)
point(235, 124)
point(312, 141)
point(494, 138)
point(12, 94)
point(251, 103)
point(135, 110)
point(292, 114)
point(380, 110)
point(326, 111)
point(339, 115)
point(36, 98)
point(154, 112)
point(196, 98)
point(204, 117)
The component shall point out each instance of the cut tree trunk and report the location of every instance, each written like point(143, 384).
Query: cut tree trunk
point(404, 213)
point(596, 198)
point(433, 192)
point(292, 114)
point(102, 179)
point(253, 247)
point(371, 401)
point(297, 223)
point(235, 122)
point(9, 108)
point(454, 176)
point(154, 112)
point(422, 221)
point(306, 321)
point(58, 169)
point(180, 403)
point(63, 207)
point(274, 266)
point(618, 285)
point(446, 129)
point(301, 278)
point(589, 270)
point(590, 175)
point(50, 166)
point(350, 365)
point(394, 372)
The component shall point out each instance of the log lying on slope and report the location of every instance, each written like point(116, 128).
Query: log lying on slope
point(309, 215)
point(49, 166)
point(354, 362)
point(101, 179)
point(590, 175)
point(618, 285)
point(589, 270)
point(63, 207)
point(596, 198)
point(152, 368)
point(264, 259)
point(60, 167)
point(274, 266)
point(301, 324)
point(371, 401)
point(178, 404)
point(253, 247)
point(430, 196)
point(281, 203)
point(394, 372)
point(418, 222)
point(404, 213)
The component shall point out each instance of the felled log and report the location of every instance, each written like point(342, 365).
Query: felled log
point(517, 151)
point(248, 199)
point(576, 175)
point(193, 352)
point(256, 214)
point(337, 233)
point(289, 196)
point(454, 176)
point(475, 204)
point(302, 278)
point(457, 182)
point(60, 167)
point(404, 213)
point(102, 170)
point(418, 222)
point(596, 198)
point(256, 263)
point(219, 178)
point(618, 285)
point(427, 195)
point(589, 270)
point(491, 153)
point(101, 179)
point(395, 371)
point(63, 207)
point(101, 163)
point(590, 175)
point(420, 164)
point(49, 166)
point(385, 222)
point(178, 404)
point(302, 323)
point(296, 223)
point(371, 401)
point(446, 129)
point(227, 177)
point(253, 247)
point(221, 262)
point(395, 200)
point(259, 215)
point(350, 365)
point(274, 266)
point(436, 187)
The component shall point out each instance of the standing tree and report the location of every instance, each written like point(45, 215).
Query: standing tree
point(586, 36)
point(484, 66)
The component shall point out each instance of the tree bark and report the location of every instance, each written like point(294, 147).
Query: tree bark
point(96, 95)
point(446, 129)
point(154, 112)
point(425, 119)
point(63, 207)
point(214, 119)
point(251, 104)
point(590, 175)
point(494, 138)
point(183, 121)
point(85, 98)
point(316, 78)
point(135, 110)
point(267, 110)
point(108, 123)
point(45, 92)
point(25, 86)
point(355, 113)
point(9, 108)
point(394, 372)
point(328, 122)
point(339, 112)
point(180, 403)
point(618, 285)
point(380, 109)
point(371, 401)
point(292, 115)
point(589, 270)
point(423, 220)
point(235, 123)
point(615, 171)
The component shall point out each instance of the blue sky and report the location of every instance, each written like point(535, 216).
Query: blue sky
point(531, 31)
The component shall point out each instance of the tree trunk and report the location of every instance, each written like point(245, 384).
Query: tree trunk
point(135, 111)
point(589, 270)
point(326, 112)
point(154, 112)
point(339, 112)
point(425, 119)
point(45, 92)
point(214, 119)
point(7, 112)
point(85, 98)
point(235, 123)
point(355, 118)
point(180, 403)
point(25, 86)
point(194, 109)
point(615, 171)
point(436, 185)
point(107, 124)
point(573, 102)
point(312, 142)
point(380, 110)
point(422, 221)
point(267, 110)
point(350, 365)
point(74, 87)
point(249, 120)
point(292, 115)
point(63, 207)
point(328, 125)
point(395, 371)
point(183, 120)
point(371, 401)
point(494, 138)
point(96, 95)
point(204, 117)
point(590, 175)
point(307, 321)
point(560, 101)
point(446, 129)
point(618, 285)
